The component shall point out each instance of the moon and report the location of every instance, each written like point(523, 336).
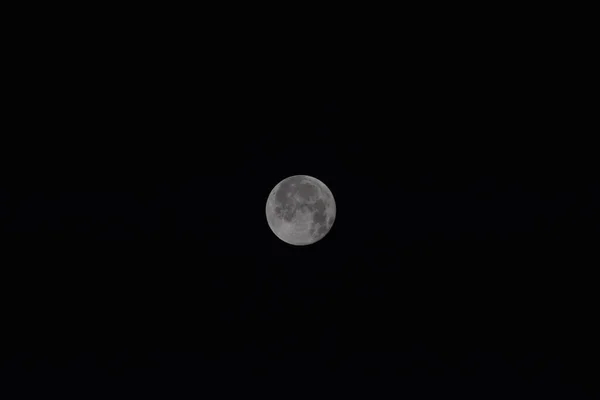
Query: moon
point(300, 210)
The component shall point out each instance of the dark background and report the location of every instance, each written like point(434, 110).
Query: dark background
point(136, 257)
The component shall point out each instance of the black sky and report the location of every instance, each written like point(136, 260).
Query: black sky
point(136, 253)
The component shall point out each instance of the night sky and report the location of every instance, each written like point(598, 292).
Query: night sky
point(137, 259)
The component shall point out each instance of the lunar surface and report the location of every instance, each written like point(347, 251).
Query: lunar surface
point(300, 210)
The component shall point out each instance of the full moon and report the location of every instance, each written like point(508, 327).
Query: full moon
point(300, 210)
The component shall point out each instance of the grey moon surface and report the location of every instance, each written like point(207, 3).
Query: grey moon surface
point(303, 230)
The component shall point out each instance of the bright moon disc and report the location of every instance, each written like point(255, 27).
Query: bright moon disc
point(300, 210)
